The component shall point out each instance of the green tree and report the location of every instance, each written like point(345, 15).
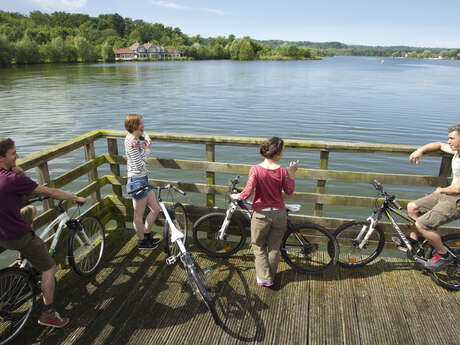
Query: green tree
point(57, 50)
point(165, 41)
point(246, 51)
point(27, 52)
point(6, 51)
point(218, 51)
point(235, 49)
point(85, 50)
point(203, 52)
point(39, 34)
point(107, 52)
point(40, 18)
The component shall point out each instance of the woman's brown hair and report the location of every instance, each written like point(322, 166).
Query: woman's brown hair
point(132, 122)
point(271, 147)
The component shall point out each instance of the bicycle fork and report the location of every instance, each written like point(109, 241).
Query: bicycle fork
point(369, 228)
point(228, 217)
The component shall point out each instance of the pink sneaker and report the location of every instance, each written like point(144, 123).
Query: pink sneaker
point(261, 283)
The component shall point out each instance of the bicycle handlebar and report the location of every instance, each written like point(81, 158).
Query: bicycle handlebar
point(60, 206)
point(234, 183)
point(388, 197)
point(159, 188)
point(39, 198)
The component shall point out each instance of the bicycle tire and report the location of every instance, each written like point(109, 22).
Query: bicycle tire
point(197, 275)
point(85, 257)
point(206, 231)
point(352, 256)
point(179, 218)
point(449, 276)
point(17, 300)
point(309, 248)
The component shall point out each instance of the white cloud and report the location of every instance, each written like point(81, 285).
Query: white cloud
point(212, 10)
point(177, 6)
point(60, 5)
point(169, 4)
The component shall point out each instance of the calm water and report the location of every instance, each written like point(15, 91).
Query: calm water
point(338, 99)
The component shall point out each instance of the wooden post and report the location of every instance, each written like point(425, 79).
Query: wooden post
point(321, 184)
point(43, 176)
point(92, 174)
point(210, 176)
point(445, 168)
point(115, 169)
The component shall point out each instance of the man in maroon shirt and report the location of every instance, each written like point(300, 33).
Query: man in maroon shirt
point(17, 234)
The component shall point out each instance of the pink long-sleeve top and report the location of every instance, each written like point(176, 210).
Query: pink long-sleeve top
point(267, 186)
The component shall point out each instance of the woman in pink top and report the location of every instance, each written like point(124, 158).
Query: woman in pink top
point(267, 181)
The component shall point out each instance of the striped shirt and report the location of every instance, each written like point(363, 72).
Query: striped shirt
point(136, 156)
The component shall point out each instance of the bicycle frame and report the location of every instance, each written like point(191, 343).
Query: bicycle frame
point(62, 219)
point(387, 209)
point(229, 214)
point(176, 235)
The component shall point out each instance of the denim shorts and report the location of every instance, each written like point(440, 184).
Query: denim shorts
point(137, 182)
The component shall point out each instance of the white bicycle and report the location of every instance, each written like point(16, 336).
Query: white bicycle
point(175, 235)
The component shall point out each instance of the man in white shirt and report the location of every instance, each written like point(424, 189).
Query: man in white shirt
point(439, 207)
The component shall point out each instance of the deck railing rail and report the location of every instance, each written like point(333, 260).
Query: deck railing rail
point(117, 206)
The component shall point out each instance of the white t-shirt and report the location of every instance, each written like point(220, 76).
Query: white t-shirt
point(455, 168)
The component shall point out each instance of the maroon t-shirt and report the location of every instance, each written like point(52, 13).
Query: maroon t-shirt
point(268, 185)
point(13, 188)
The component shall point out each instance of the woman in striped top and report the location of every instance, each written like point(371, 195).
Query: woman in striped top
point(137, 148)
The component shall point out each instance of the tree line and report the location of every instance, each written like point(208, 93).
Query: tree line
point(68, 37)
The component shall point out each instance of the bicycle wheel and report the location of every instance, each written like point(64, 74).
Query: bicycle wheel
point(179, 218)
point(206, 235)
point(17, 299)
point(309, 248)
point(350, 253)
point(198, 277)
point(86, 246)
point(449, 276)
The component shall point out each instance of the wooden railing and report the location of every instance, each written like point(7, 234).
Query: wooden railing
point(117, 207)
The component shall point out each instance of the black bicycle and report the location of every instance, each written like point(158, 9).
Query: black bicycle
point(361, 241)
point(306, 247)
point(20, 284)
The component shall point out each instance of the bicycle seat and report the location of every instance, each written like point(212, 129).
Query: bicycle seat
point(293, 207)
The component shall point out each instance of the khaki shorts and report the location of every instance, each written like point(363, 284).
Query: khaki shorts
point(437, 209)
point(30, 246)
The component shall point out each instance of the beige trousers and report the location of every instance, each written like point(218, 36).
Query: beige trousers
point(267, 230)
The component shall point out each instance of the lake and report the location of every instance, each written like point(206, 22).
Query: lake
point(350, 99)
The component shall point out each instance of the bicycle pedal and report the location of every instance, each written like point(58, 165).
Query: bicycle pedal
point(171, 260)
point(401, 248)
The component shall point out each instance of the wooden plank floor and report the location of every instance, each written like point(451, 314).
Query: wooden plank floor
point(137, 299)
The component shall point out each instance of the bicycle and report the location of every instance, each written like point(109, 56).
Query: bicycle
point(306, 247)
point(361, 241)
point(20, 284)
point(174, 237)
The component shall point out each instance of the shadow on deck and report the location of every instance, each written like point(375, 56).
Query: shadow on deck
point(137, 299)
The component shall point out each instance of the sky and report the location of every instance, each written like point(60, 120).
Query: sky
point(417, 23)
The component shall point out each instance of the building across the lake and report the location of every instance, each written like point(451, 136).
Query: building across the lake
point(146, 51)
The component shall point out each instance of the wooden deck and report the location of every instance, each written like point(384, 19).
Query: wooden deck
point(137, 299)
